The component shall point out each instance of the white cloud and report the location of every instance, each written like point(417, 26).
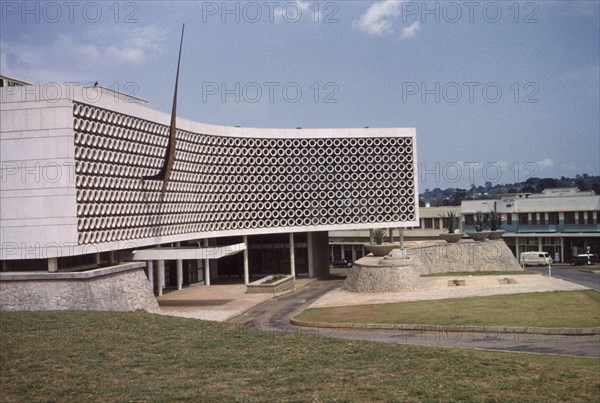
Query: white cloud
point(378, 18)
point(301, 11)
point(545, 163)
point(411, 30)
point(73, 58)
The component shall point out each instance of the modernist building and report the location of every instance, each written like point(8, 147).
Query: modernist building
point(77, 188)
point(562, 221)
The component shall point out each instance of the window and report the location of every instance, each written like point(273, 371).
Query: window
point(580, 219)
point(469, 219)
point(569, 217)
point(542, 219)
point(509, 219)
point(553, 218)
point(428, 223)
point(436, 223)
point(523, 219)
point(533, 220)
point(591, 217)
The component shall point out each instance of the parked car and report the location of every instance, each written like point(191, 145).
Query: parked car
point(342, 263)
point(535, 259)
point(583, 259)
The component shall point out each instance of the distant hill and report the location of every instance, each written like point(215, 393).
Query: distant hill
point(453, 196)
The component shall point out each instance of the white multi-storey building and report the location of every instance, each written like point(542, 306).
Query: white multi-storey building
point(77, 190)
point(561, 221)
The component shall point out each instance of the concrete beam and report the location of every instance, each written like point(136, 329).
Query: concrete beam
point(213, 252)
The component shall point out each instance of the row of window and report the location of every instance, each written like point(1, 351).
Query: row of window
point(570, 218)
point(553, 218)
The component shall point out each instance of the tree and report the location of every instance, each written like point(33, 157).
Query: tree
point(582, 184)
point(546, 183)
point(458, 196)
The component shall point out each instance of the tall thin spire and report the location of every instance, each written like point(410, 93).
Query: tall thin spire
point(165, 170)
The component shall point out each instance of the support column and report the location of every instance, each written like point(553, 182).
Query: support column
point(161, 277)
point(150, 274)
point(318, 256)
point(518, 256)
point(292, 256)
point(354, 253)
point(401, 238)
point(53, 264)
point(97, 258)
point(311, 263)
point(343, 253)
point(391, 231)
point(540, 244)
point(331, 251)
point(179, 264)
point(199, 265)
point(562, 249)
point(246, 265)
point(111, 257)
point(206, 266)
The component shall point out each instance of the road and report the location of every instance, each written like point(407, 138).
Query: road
point(276, 315)
point(572, 274)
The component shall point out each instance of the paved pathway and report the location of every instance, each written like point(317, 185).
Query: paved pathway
point(276, 314)
point(575, 274)
point(216, 303)
point(268, 312)
point(437, 288)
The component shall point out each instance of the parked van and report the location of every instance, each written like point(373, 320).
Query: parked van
point(535, 259)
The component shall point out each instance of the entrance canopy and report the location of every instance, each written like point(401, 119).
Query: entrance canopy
point(187, 253)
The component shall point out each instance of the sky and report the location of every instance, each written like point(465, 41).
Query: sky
point(498, 91)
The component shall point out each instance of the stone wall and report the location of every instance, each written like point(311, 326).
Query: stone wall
point(260, 287)
point(118, 288)
point(372, 279)
point(463, 256)
point(369, 276)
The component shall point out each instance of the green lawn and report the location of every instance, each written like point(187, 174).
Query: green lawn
point(549, 309)
point(102, 356)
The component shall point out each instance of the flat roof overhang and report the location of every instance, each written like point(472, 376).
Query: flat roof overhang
point(187, 253)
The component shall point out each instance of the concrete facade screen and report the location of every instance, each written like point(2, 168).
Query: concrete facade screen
point(231, 184)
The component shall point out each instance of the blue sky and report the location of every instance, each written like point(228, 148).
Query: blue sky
point(497, 90)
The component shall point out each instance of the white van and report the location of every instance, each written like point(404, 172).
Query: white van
point(535, 259)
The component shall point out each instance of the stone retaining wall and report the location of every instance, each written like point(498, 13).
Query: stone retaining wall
point(368, 276)
point(463, 256)
point(117, 288)
point(372, 279)
point(279, 286)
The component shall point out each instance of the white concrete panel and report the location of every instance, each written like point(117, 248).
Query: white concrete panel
point(34, 119)
point(48, 241)
point(19, 118)
point(36, 148)
point(38, 207)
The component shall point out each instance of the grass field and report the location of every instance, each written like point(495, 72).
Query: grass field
point(102, 356)
point(549, 309)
